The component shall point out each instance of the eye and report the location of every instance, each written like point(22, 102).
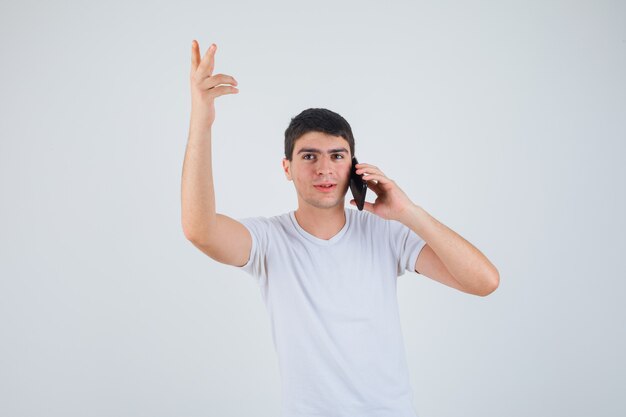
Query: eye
point(310, 154)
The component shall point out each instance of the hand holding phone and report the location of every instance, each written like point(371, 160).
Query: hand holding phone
point(357, 185)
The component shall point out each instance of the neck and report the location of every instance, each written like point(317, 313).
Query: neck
point(321, 223)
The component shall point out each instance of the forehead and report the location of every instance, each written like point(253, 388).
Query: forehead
point(320, 140)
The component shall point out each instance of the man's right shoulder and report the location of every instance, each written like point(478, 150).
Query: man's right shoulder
point(264, 224)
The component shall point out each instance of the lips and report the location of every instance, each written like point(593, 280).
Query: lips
point(326, 187)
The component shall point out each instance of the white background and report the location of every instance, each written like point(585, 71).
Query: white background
point(505, 120)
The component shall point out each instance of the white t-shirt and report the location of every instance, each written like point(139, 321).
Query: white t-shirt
point(334, 315)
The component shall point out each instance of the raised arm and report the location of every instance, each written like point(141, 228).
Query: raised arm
point(220, 237)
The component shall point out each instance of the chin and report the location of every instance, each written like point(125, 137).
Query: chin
point(325, 204)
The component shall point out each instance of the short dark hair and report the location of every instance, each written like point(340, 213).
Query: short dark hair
point(317, 120)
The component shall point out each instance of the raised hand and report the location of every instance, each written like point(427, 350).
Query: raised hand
point(205, 86)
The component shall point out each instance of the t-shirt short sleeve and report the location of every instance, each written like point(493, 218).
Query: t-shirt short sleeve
point(259, 230)
point(407, 246)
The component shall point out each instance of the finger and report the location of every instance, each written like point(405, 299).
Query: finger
point(195, 56)
point(380, 178)
point(223, 89)
point(360, 165)
point(366, 167)
point(369, 171)
point(374, 187)
point(217, 79)
point(194, 59)
point(205, 69)
point(366, 205)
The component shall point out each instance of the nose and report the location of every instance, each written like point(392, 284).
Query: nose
point(324, 166)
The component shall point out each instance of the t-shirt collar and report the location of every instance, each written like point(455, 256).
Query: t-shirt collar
point(316, 239)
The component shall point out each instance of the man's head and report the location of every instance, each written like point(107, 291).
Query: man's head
point(318, 149)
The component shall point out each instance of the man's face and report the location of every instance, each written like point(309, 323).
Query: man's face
point(319, 158)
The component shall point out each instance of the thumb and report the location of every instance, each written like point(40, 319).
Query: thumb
point(367, 206)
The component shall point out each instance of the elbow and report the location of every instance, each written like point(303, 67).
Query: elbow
point(491, 284)
point(188, 236)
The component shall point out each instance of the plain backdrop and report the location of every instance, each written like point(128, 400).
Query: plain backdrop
point(506, 121)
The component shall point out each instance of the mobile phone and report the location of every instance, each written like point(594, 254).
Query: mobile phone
point(357, 185)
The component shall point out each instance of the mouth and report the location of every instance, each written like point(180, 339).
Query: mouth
point(326, 188)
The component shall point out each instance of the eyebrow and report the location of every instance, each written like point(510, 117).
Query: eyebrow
point(314, 150)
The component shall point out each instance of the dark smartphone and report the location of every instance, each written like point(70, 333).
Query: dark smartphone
point(357, 186)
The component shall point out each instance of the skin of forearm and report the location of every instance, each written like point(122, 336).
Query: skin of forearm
point(197, 190)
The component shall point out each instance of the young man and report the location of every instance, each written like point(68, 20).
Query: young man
point(327, 273)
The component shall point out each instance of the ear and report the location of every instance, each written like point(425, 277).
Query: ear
point(287, 168)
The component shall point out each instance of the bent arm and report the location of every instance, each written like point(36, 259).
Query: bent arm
point(455, 257)
point(220, 237)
